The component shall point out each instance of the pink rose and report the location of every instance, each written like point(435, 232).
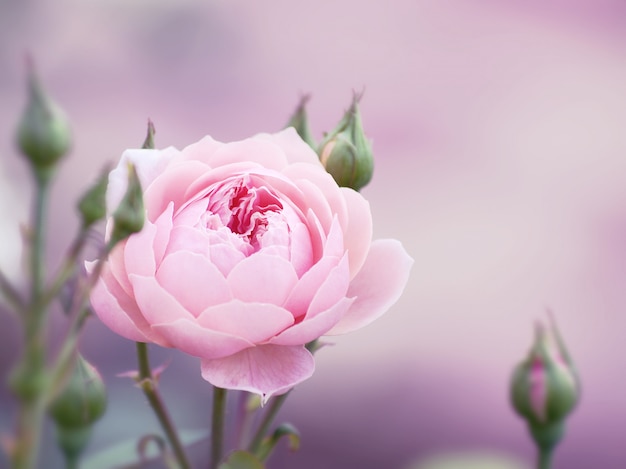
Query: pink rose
point(250, 250)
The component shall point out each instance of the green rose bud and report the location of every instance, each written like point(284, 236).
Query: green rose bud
point(129, 216)
point(545, 387)
point(92, 205)
point(79, 405)
point(43, 134)
point(346, 153)
point(300, 122)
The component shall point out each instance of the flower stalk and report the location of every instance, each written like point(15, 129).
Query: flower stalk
point(217, 426)
point(148, 384)
point(268, 418)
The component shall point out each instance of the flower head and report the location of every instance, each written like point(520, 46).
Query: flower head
point(249, 251)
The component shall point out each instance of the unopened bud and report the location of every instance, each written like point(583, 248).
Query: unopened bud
point(545, 387)
point(129, 216)
point(92, 205)
point(83, 400)
point(346, 153)
point(79, 405)
point(43, 134)
point(300, 122)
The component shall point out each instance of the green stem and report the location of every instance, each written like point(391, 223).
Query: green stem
point(264, 426)
point(149, 386)
point(29, 380)
point(544, 460)
point(217, 426)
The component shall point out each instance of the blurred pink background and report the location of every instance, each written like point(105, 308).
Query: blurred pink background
point(499, 133)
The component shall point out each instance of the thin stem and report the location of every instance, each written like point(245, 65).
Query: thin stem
point(149, 386)
point(29, 380)
point(264, 426)
point(544, 460)
point(217, 426)
point(68, 267)
point(38, 247)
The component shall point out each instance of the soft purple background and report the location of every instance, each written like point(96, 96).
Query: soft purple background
point(499, 132)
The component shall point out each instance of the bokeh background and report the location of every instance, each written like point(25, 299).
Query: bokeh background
point(499, 132)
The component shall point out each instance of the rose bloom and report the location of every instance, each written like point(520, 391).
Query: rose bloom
point(250, 250)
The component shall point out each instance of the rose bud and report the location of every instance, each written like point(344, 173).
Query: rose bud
point(43, 134)
point(346, 153)
point(545, 387)
point(300, 122)
point(79, 405)
point(129, 216)
point(92, 205)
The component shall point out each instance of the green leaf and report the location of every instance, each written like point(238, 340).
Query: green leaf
point(241, 460)
point(126, 455)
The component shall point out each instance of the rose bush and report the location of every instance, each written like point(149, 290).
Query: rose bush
point(250, 250)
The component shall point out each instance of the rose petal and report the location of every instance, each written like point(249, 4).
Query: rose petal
point(264, 152)
point(311, 329)
point(114, 316)
point(255, 322)
point(191, 338)
point(170, 187)
point(377, 286)
point(266, 369)
point(201, 150)
point(262, 278)
point(331, 290)
point(296, 149)
point(115, 262)
point(156, 304)
point(163, 226)
point(139, 251)
point(358, 232)
point(193, 280)
point(330, 193)
point(303, 292)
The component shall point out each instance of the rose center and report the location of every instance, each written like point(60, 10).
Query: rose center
point(244, 208)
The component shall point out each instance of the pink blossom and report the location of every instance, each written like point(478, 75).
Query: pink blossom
point(250, 250)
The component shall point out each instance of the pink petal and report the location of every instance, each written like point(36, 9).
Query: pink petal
point(193, 280)
point(311, 329)
point(191, 338)
point(163, 226)
point(115, 262)
point(296, 149)
point(377, 286)
point(186, 238)
point(358, 233)
point(316, 202)
point(330, 193)
point(171, 187)
point(139, 251)
point(333, 246)
point(264, 152)
point(302, 294)
point(262, 278)
point(157, 305)
point(333, 288)
point(255, 322)
point(266, 369)
point(202, 150)
point(108, 309)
